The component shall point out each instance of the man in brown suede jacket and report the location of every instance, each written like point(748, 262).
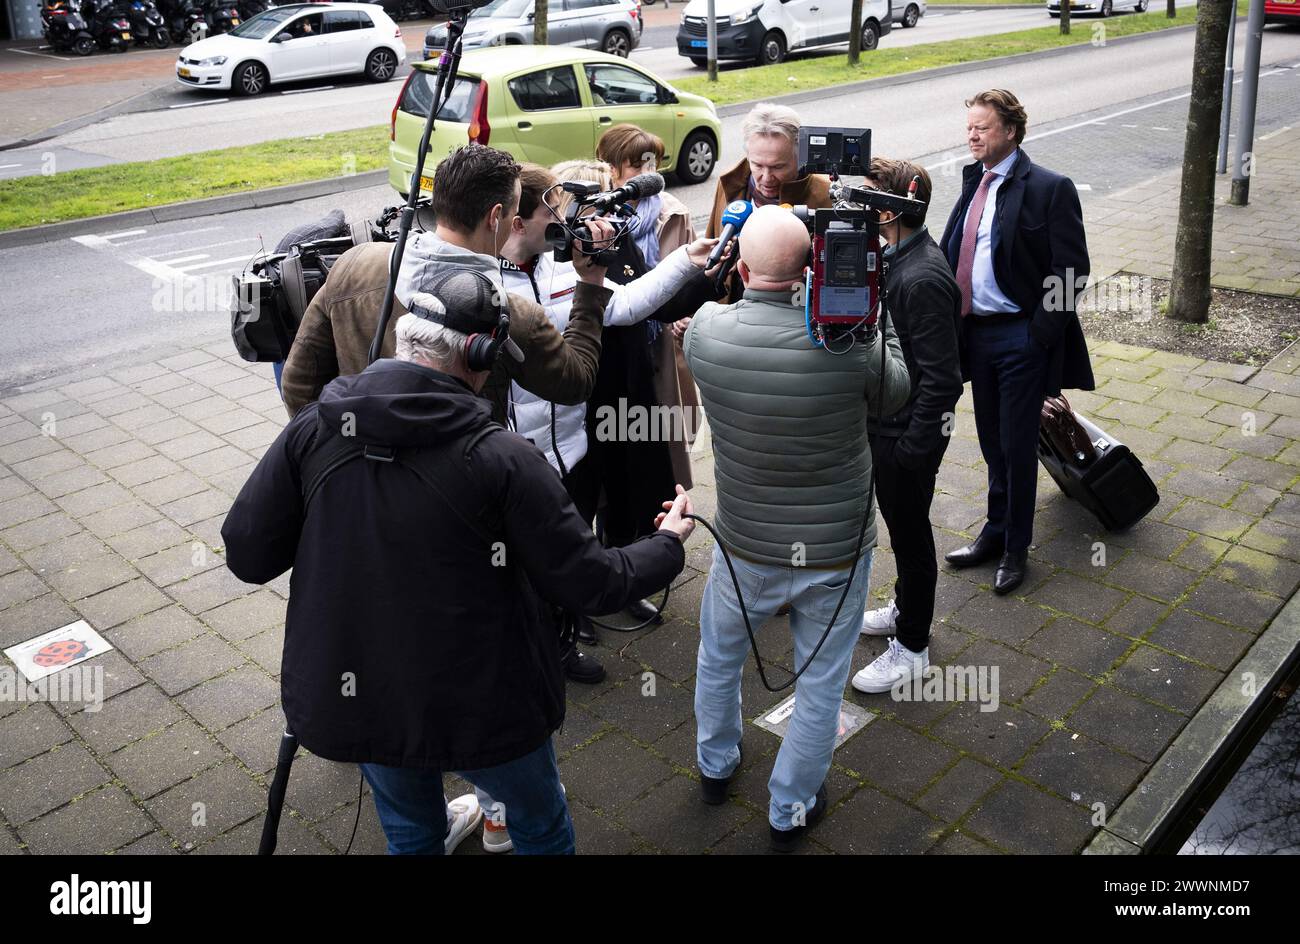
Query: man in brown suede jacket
point(334, 337)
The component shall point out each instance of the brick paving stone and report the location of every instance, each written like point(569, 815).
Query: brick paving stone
point(1084, 599)
point(156, 843)
point(88, 501)
point(165, 758)
point(672, 817)
point(227, 795)
point(1166, 680)
point(150, 634)
point(147, 539)
point(31, 619)
point(293, 838)
point(223, 459)
point(118, 676)
point(155, 434)
point(209, 589)
point(1210, 520)
point(91, 577)
point(318, 786)
point(1276, 475)
point(100, 822)
point(126, 601)
point(1200, 455)
point(1250, 609)
point(1152, 577)
point(19, 587)
point(252, 438)
point(895, 759)
point(265, 649)
point(125, 718)
point(1006, 619)
point(30, 731)
point(178, 563)
point(1130, 724)
point(645, 717)
point(611, 773)
point(120, 518)
point(1078, 646)
point(144, 470)
point(1260, 571)
point(871, 822)
point(25, 508)
point(1021, 817)
point(1212, 487)
point(255, 741)
point(170, 488)
point(1018, 671)
point(48, 781)
point(195, 661)
point(1058, 694)
point(1083, 770)
point(232, 697)
point(1194, 635)
point(1002, 736)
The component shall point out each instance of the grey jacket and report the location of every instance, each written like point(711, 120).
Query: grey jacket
point(789, 424)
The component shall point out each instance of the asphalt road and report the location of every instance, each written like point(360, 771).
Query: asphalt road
point(169, 119)
point(1110, 117)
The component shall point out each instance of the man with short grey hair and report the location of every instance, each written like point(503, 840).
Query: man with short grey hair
point(769, 171)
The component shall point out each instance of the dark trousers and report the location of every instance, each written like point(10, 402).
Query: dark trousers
point(904, 497)
point(1007, 368)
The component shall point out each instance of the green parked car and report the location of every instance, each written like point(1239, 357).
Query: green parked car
point(547, 104)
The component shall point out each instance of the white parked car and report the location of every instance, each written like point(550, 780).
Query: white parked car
point(1097, 7)
point(298, 41)
point(764, 31)
point(907, 13)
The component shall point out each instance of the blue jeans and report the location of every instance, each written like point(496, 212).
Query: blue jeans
point(805, 755)
point(413, 812)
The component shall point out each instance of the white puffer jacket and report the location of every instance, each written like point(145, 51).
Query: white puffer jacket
point(552, 284)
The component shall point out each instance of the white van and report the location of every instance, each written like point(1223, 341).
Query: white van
point(766, 30)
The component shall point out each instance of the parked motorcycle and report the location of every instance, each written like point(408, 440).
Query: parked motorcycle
point(108, 23)
point(148, 24)
point(222, 16)
point(250, 8)
point(65, 28)
point(185, 20)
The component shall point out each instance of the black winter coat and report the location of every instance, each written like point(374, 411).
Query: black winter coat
point(1038, 233)
point(410, 641)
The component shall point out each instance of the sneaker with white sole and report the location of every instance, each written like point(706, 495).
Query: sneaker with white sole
point(495, 836)
point(895, 663)
point(881, 622)
point(463, 817)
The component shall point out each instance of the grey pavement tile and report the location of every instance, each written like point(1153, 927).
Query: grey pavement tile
point(595, 834)
point(143, 470)
point(47, 463)
point(113, 675)
point(1086, 771)
point(120, 519)
point(1084, 599)
point(1001, 737)
point(1233, 603)
point(178, 563)
point(107, 446)
point(91, 576)
point(958, 843)
point(99, 497)
point(338, 829)
point(30, 731)
point(202, 592)
point(39, 531)
point(20, 586)
point(156, 843)
point(197, 660)
point(265, 649)
point(197, 507)
point(1023, 819)
point(252, 438)
point(1058, 694)
point(1016, 671)
point(672, 817)
point(220, 702)
point(1260, 571)
point(215, 801)
point(318, 786)
point(170, 488)
point(147, 539)
point(31, 619)
point(1078, 646)
point(47, 782)
point(1166, 679)
point(125, 718)
point(165, 758)
point(611, 773)
point(647, 709)
point(100, 822)
point(893, 758)
point(126, 601)
point(959, 789)
point(1201, 638)
point(153, 632)
point(255, 741)
point(191, 444)
point(872, 823)
point(1003, 618)
point(293, 838)
point(1134, 726)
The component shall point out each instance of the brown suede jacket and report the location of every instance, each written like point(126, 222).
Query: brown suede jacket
point(334, 337)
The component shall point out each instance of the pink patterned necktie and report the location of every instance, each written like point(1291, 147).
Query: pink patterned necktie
point(970, 232)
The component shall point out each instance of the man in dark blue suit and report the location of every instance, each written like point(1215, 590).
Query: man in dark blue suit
point(1016, 243)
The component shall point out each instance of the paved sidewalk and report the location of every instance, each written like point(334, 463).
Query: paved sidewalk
point(113, 514)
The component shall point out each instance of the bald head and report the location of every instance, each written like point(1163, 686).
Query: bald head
point(773, 248)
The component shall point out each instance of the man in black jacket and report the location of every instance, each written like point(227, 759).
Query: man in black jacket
point(1016, 242)
point(924, 305)
point(424, 540)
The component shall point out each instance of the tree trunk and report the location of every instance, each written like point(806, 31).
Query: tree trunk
point(540, 9)
point(1189, 291)
point(1065, 17)
point(1170, 10)
point(855, 32)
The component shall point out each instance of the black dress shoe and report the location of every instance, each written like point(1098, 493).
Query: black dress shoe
point(582, 669)
point(585, 630)
point(713, 790)
point(643, 610)
point(788, 840)
point(1011, 571)
point(983, 549)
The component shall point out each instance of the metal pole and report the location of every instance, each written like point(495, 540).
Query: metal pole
point(712, 28)
point(1243, 164)
point(1226, 123)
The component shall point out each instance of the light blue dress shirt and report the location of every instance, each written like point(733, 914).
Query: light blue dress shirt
point(986, 297)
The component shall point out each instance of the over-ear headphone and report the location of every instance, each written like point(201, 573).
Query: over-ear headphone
point(463, 299)
point(482, 350)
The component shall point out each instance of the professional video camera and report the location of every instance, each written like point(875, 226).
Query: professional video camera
point(587, 196)
point(845, 282)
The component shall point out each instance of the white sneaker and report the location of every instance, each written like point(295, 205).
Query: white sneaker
point(881, 622)
point(895, 663)
point(463, 817)
point(495, 837)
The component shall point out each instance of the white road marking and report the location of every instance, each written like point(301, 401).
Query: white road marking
point(4, 166)
point(214, 101)
point(1083, 186)
point(194, 258)
point(228, 242)
point(1158, 128)
point(216, 262)
point(323, 88)
point(125, 232)
point(188, 232)
point(43, 55)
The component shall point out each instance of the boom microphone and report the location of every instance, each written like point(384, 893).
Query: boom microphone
point(642, 185)
point(733, 220)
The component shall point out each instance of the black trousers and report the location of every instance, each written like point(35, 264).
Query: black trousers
point(904, 497)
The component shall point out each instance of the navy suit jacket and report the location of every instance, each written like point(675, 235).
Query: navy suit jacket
point(1040, 260)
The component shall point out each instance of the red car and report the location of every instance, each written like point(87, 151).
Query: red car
point(1282, 11)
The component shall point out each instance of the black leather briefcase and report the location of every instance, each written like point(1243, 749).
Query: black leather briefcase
point(1092, 467)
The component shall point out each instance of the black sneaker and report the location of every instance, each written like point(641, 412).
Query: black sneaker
point(582, 668)
point(788, 840)
point(585, 630)
point(643, 610)
point(713, 790)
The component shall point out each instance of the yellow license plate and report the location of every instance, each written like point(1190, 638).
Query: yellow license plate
point(235, 21)
point(426, 183)
point(184, 72)
point(127, 37)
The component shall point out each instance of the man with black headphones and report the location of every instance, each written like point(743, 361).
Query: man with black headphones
point(426, 542)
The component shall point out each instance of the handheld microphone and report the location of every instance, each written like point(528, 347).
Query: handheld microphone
point(733, 220)
point(642, 185)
